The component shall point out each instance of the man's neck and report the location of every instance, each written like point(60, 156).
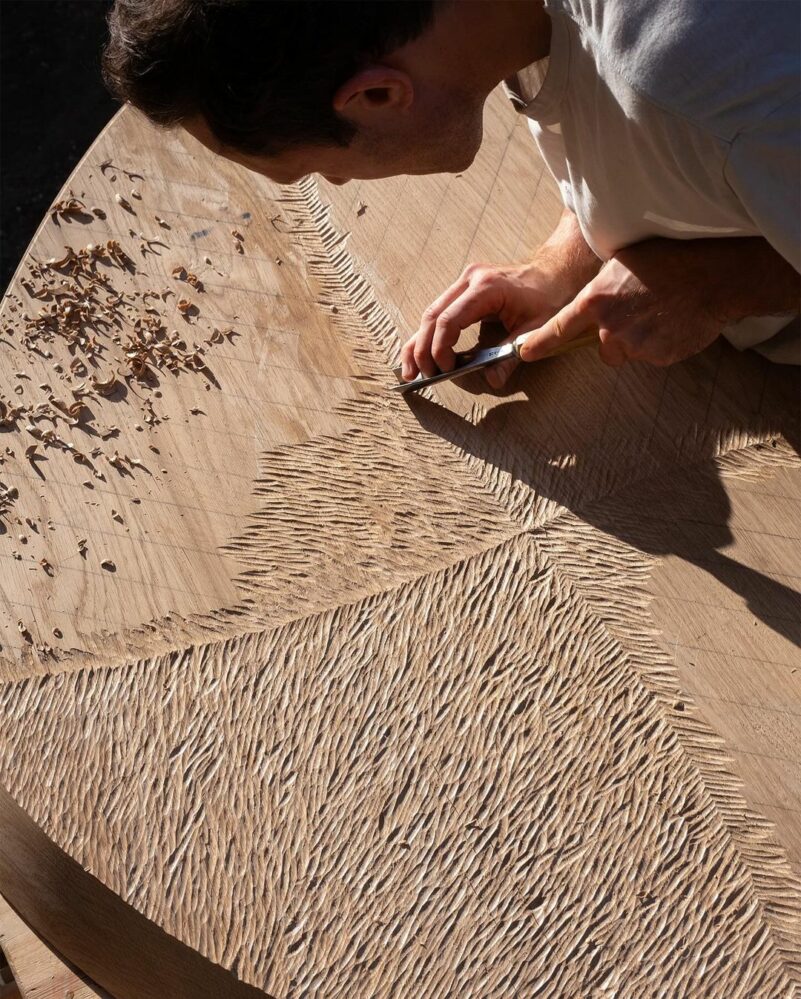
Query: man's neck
point(524, 31)
point(480, 42)
point(502, 36)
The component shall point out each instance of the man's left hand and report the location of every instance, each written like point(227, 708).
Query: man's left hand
point(659, 301)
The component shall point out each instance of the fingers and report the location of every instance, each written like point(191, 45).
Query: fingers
point(420, 343)
point(471, 298)
point(470, 307)
point(570, 322)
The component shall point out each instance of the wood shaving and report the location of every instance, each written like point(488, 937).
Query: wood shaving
point(107, 165)
point(57, 263)
point(9, 414)
point(65, 208)
point(182, 274)
point(105, 386)
point(8, 494)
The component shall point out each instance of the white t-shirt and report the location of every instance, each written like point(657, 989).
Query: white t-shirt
point(675, 118)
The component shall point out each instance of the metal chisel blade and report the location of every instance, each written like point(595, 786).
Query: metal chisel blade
point(471, 360)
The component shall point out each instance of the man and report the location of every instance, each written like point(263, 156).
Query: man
point(672, 128)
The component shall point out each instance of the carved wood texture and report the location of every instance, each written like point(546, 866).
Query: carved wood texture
point(382, 697)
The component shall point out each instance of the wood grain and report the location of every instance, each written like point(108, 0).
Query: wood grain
point(392, 696)
point(38, 972)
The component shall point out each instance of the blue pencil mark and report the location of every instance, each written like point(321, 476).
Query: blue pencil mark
point(245, 215)
point(200, 233)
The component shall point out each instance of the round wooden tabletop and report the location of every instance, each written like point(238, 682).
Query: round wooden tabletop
point(312, 689)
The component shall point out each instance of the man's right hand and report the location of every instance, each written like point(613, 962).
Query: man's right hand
point(521, 296)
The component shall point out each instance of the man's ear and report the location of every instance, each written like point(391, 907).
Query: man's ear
point(371, 90)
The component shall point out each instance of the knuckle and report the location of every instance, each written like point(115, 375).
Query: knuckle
point(430, 314)
point(593, 299)
point(600, 301)
point(443, 323)
point(421, 353)
point(485, 280)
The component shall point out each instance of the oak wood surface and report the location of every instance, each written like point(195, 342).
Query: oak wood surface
point(38, 972)
point(452, 694)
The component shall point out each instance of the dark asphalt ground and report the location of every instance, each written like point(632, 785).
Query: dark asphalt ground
point(52, 105)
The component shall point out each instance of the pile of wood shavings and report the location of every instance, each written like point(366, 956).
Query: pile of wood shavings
point(84, 308)
point(82, 301)
point(118, 334)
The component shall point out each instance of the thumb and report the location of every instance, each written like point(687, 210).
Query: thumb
point(555, 335)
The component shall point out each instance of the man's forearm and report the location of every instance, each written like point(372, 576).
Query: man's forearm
point(565, 253)
point(745, 277)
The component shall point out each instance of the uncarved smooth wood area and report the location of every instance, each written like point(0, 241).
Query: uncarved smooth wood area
point(38, 972)
point(721, 607)
point(311, 689)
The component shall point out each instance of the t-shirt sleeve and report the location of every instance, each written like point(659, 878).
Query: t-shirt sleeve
point(763, 169)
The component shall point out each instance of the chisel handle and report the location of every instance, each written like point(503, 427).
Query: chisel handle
point(591, 336)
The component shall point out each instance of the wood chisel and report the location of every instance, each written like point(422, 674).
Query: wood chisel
point(473, 360)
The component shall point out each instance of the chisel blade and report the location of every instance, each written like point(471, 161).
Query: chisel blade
point(471, 360)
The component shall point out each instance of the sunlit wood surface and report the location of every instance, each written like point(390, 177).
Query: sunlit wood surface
point(312, 689)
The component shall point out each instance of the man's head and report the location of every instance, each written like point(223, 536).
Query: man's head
point(350, 90)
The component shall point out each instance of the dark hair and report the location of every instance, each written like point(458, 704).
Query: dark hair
point(261, 73)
